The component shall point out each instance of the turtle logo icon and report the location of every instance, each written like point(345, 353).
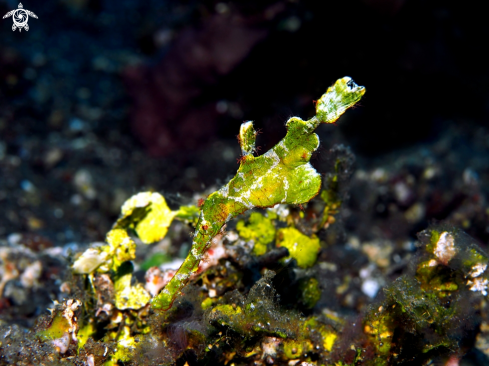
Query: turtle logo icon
point(20, 17)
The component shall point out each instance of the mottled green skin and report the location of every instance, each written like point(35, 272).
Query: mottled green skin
point(281, 175)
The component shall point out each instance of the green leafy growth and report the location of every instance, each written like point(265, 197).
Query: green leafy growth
point(331, 197)
point(126, 295)
point(145, 213)
point(301, 247)
point(126, 344)
point(340, 160)
point(155, 260)
point(418, 312)
point(58, 327)
point(188, 214)
point(296, 347)
point(247, 138)
point(154, 223)
point(85, 332)
point(420, 309)
point(434, 236)
point(311, 293)
point(281, 175)
point(332, 205)
point(452, 260)
point(120, 248)
point(260, 229)
point(424, 312)
point(258, 315)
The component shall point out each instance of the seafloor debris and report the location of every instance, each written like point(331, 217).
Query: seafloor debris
point(223, 318)
point(283, 286)
point(63, 327)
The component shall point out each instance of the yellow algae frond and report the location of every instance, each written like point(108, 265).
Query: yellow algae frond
point(301, 247)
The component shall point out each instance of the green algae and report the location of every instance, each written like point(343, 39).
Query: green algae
point(311, 293)
point(148, 215)
point(429, 306)
point(301, 247)
point(247, 138)
point(58, 327)
point(255, 315)
point(155, 260)
point(127, 296)
point(260, 229)
point(61, 330)
point(258, 315)
point(126, 344)
point(154, 224)
point(86, 332)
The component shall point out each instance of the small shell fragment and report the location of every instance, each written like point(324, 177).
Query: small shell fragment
point(445, 248)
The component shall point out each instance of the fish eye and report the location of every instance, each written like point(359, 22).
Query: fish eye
point(351, 84)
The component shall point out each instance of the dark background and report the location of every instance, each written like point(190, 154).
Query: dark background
point(102, 99)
